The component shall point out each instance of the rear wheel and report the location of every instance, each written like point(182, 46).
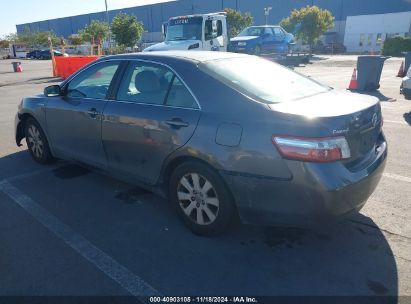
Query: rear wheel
point(201, 198)
point(37, 142)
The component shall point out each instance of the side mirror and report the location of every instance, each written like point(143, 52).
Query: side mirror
point(53, 90)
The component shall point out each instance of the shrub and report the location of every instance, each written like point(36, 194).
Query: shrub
point(395, 46)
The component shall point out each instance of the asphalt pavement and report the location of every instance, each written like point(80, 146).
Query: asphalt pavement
point(65, 230)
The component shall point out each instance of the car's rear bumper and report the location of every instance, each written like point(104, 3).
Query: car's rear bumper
point(316, 192)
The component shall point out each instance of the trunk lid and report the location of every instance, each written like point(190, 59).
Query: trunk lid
point(356, 117)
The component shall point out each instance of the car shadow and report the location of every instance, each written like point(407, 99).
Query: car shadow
point(142, 232)
point(18, 163)
point(407, 117)
point(316, 57)
point(53, 79)
point(381, 97)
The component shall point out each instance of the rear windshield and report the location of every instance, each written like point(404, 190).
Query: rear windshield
point(261, 79)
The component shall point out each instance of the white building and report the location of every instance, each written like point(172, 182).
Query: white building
point(366, 33)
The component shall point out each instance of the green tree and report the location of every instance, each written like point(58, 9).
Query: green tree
point(308, 23)
point(75, 40)
point(127, 30)
point(4, 44)
point(37, 38)
point(237, 21)
point(95, 29)
point(12, 37)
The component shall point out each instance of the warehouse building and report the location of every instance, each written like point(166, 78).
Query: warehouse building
point(370, 38)
point(344, 11)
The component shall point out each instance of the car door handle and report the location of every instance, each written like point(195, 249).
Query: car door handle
point(93, 112)
point(177, 123)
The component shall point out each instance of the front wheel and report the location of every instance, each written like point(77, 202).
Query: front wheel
point(257, 50)
point(201, 198)
point(37, 142)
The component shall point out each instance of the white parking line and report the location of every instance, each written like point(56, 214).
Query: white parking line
point(29, 174)
point(398, 177)
point(400, 122)
point(124, 277)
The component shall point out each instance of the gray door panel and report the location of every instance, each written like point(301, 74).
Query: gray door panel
point(74, 125)
point(138, 137)
point(74, 120)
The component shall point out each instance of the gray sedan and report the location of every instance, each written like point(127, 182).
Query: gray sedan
point(219, 134)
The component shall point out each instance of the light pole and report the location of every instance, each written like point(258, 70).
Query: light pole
point(267, 13)
point(108, 23)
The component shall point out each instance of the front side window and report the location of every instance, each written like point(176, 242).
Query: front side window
point(212, 29)
point(93, 82)
point(279, 34)
point(252, 31)
point(219, 28)
point(268, 30)
point(154, 84)
point(262, 80)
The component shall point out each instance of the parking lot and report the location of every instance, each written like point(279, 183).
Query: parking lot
point(65, 230)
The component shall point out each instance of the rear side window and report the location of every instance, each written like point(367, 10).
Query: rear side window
point(180, 96)
point(148, 83)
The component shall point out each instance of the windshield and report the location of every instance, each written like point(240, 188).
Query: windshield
point(184, 29)
point(262, 79)
point(252, 31)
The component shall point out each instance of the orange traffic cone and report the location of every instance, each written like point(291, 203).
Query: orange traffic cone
point(19, 68)
point(401, 70)
point(353, 83)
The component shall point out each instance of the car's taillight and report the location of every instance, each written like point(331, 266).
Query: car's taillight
point(312, 149)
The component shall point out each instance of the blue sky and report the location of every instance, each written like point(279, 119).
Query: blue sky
point(12, 13)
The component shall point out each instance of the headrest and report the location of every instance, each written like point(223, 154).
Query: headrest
point(147, 81)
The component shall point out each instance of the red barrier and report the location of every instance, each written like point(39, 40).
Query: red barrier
point(69, 65)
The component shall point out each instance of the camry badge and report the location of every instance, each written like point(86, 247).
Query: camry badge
point(340, 131)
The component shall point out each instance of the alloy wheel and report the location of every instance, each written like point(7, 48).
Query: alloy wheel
point(35, 141)
point(198, 199)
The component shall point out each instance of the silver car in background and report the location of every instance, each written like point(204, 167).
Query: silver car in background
point(219, 134)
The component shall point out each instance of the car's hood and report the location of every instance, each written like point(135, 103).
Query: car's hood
point(328, 104)
point(243, 38)
point(172, 45)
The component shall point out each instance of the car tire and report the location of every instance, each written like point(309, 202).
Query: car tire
point(201, 198)
point(407, 97)
point(37, 142)
point(257, 50)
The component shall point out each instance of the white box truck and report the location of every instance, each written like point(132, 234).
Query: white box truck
point(205, 32)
